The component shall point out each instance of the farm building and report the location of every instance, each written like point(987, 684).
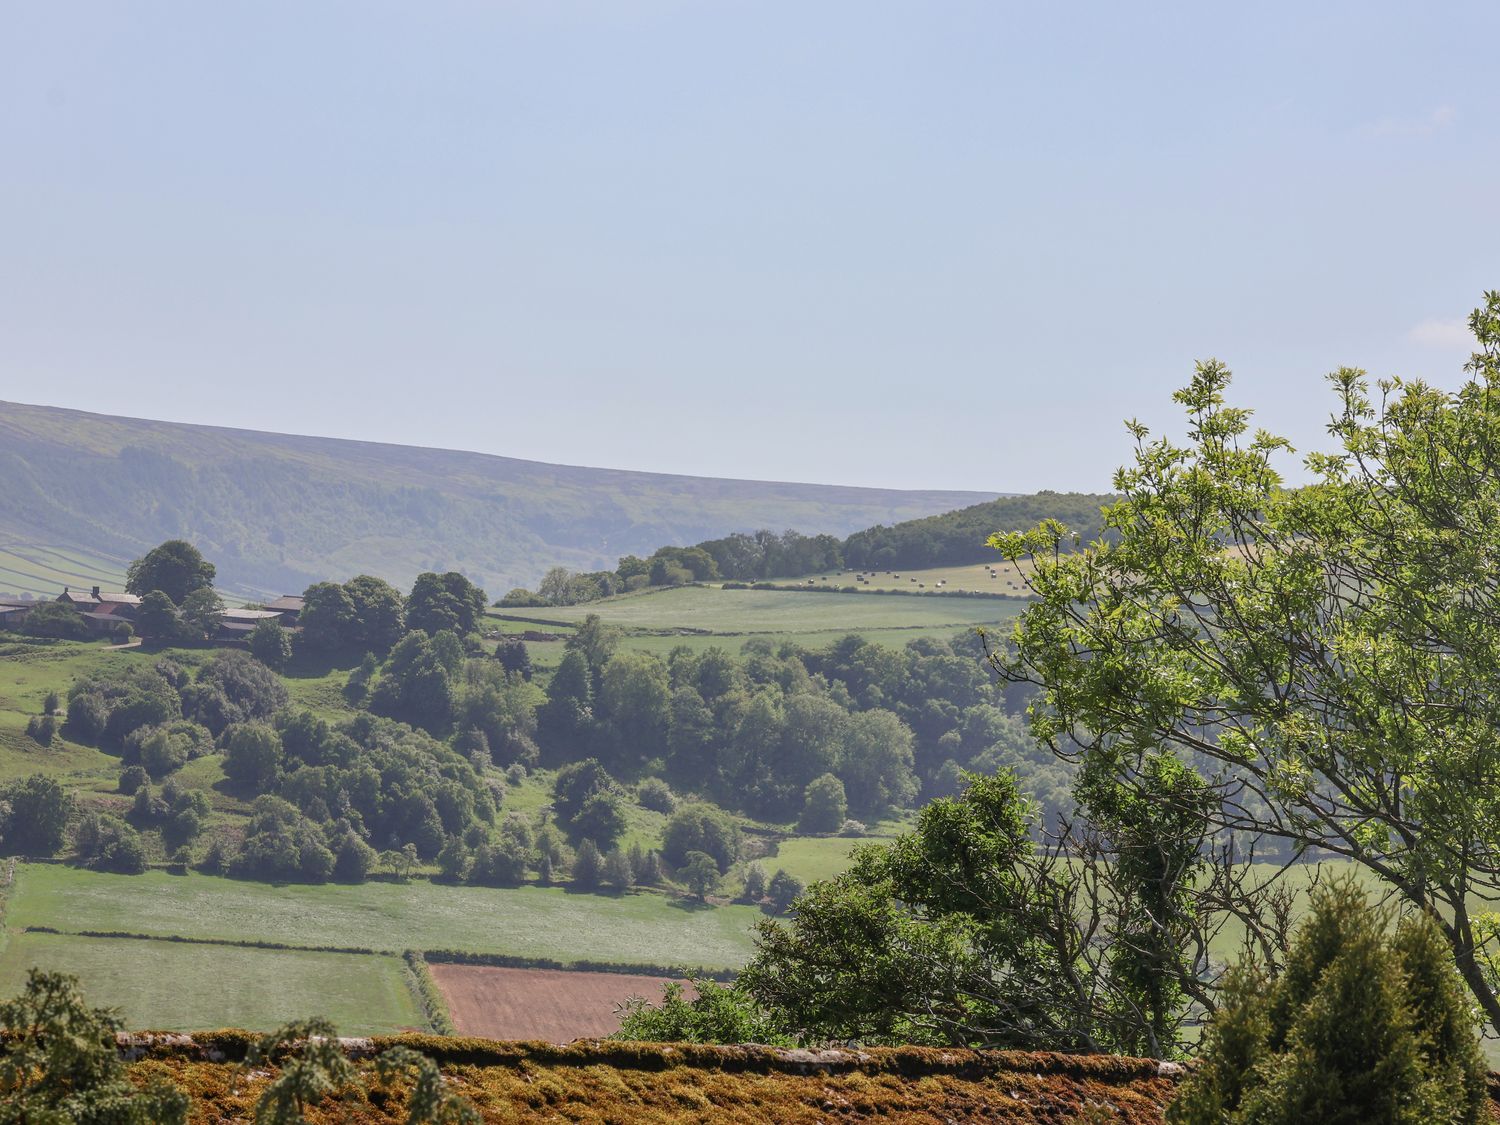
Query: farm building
point(237, 624)
point(102, 610)
point(289, 606)
point(83, 603)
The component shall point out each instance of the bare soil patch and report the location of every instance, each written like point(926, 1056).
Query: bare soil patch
point(554, 1005)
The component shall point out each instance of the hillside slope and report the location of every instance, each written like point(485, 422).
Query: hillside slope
point(277, 511)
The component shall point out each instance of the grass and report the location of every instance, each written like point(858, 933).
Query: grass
point(175, 986)
point(709, 609)
point(970, 578)
point(810, 858)
point(702, 617)
point(526, 921)
point(28, 671)
point(43, 571)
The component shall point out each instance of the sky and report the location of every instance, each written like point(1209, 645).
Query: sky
point(917, 245)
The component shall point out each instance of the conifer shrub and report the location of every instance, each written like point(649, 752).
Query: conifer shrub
point(59, 1063)
point(1367, 1023)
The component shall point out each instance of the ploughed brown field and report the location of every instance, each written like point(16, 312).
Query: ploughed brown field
point(554, 1005)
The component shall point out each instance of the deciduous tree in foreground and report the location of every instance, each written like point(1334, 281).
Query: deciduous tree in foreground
point(1326, 654)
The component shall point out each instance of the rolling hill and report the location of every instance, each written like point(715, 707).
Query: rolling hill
point(277, 511)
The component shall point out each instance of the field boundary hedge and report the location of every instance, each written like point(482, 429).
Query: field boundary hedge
point(425, 957)
point(429, 996)
point(511, 961)
point(876, 593)
point(236, 943)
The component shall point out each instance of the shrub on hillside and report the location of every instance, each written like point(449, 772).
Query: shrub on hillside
point(587, 802)
point(755, 884)
point(33, 816)
point(107, 843)
point(783, 890)
point(352, 858)
point(824, 805)
point(617, 871)
point(233, 687)
point(253, 755)
point(87, 714)
point(179, 812)
point(163, 749)
point(588, 866)
point(700, 874)
point(132, 778)
point(656, 795)
point(281, 843)
point(1364, 1024)
point(514, 657)
point(701, 828)
point(41, 729)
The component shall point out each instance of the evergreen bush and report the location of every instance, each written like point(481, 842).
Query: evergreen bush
point(1365, 1024)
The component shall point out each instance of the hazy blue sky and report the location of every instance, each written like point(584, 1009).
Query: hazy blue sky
point(913, 245)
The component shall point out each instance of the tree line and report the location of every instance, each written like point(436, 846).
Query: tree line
point(1231, 660)
point(951, 539)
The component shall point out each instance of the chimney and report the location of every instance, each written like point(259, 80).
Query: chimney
point(96, 593)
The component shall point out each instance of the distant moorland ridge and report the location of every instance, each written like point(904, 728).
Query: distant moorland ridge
point(278, 511)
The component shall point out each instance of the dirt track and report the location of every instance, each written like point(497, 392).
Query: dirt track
point(548, 1004)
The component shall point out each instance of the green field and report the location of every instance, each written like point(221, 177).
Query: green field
point(27, 673)
point(526, 921)
point(43, 571)
point(176, 986)
point(810, 858)
point(972, 578)
point(708, 609)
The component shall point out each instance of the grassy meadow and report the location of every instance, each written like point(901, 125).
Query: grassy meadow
point(544, 922)
point(709, 609)
point(701, 617)
point(995, 577)
point(42, 571)
point(177, 986)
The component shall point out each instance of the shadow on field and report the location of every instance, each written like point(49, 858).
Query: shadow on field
point(691, 905)
point(314, 665)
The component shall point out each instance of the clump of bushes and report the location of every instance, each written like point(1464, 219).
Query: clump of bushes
point(41, 729)
point(656, 795)
point(1366, 1023)
point(715, 1015)
point(824, 805)
point(701, 828)
point(107, 843)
